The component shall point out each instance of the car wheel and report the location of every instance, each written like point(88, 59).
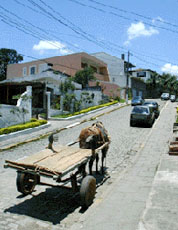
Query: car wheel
point(150, 124)
point(131, 124)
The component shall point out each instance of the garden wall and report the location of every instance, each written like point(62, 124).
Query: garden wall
point(22, 112)
point(88, 94)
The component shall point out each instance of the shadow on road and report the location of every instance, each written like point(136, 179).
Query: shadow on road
point(52, 205)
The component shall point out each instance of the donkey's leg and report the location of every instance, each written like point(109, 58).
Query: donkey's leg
point(97, 159)
point(104, 151)
point(91, 164)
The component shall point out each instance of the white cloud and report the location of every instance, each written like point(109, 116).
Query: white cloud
point(137, 30)
point(51, 45)
point(172, 69)
point(157, 19)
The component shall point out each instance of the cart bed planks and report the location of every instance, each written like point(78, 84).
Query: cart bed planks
point(56, 162)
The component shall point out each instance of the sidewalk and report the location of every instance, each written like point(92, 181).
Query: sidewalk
point(146, 196)
point(55, 126)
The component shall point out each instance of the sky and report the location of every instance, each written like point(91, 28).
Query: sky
point(39, 29)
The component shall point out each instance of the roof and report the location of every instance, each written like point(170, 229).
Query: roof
point(141, 70)
point(81, 54)
point(44, 77)
point(106, 54)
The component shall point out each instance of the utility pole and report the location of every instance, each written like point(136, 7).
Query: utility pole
point(127, 80)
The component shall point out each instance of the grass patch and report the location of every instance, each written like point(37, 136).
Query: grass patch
point(31, 124)
point(177, 116)
point(86, 110)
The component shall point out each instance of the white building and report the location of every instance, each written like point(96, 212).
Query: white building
point(143, 74)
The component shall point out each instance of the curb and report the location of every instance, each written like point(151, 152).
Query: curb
point(25, 131)
point(83, 114)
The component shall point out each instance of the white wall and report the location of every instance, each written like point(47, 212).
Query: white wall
point(97, 97)
point(12, 115)
point(148, 75)
point(115, 66)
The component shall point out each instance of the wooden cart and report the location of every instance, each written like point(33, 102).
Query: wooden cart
point(56, 163)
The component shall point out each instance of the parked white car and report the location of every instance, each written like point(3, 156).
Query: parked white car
point(173, 98)
point(165, 96)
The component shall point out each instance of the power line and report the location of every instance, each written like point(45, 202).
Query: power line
point(19, 25)
point(64, 65)
point(82, 4)
point(73, 27)
point(115, 46)
point(134, 13)
point(31, 30)
point(142, 60)
point(124, 17)
point(26, 6)
point(23, 28)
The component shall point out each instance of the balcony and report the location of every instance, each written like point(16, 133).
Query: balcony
point(102, 77)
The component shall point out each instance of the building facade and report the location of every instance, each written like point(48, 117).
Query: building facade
point(116, 69)
point(143, 74)
point(68, 64)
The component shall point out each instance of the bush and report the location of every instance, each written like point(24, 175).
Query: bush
point(87, 110)
point(19, 127)
point(122, 100)
point(33, 120)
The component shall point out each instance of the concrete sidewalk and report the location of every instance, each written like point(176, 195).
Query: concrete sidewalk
point(145, 196)
point(55, 126)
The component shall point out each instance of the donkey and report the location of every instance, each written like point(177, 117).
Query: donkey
point(92, 138)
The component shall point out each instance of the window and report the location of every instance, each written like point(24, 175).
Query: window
point(84, 65)
point(137, 109)
point(24, 71)
point(102, 70)
point(32, 70)
point(94, 68)
point(141, 74)
point(42, 67)
point(113, 79)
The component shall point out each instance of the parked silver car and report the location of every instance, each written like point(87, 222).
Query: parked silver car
point(165, 96)
point(137, 100)
point(142, 115)
point(155, 107)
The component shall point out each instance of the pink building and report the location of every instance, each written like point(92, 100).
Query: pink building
point(68, 64)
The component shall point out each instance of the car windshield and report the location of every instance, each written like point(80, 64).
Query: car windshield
point(137, 98)
point(140, 110)
point(150, 103)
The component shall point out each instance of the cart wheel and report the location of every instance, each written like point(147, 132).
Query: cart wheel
point(87, 191)
point(26, 182)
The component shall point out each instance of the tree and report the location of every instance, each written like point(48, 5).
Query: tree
point(167, 83)
point(66, 86)
point(8, 56)
point(84, 76)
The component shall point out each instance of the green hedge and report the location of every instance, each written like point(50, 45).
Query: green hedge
point(87, 110)
point(33, 123)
